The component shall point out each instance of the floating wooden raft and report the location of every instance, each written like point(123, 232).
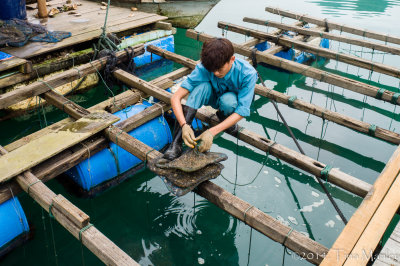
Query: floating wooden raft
point(302, 245)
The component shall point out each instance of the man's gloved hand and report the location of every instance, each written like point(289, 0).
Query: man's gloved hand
point(206, 141)
point(188, 136)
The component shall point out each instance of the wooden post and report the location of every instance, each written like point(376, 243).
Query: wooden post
point(42, 9)
point(337, 26)
point(313, 109)
point(319, 51)
point(308, 71)
point(72, 219)
point(40, 87)
point(327, 35)
point(306, 163)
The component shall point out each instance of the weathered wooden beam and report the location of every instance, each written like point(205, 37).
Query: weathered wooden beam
point(327, 35)
point(43, 148)
point(364, 249)
point(40, 87)
point(92, 238)
point(333, 25)
point(313, 109)
point(306, 163)
point(319, 51)
point(308, 71)
point(352, 232)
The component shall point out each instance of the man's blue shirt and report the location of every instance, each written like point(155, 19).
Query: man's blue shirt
point(241, 79)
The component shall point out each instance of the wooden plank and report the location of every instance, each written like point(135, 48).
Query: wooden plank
point(377, 226)
point(23, 65)
point(78, 217)
point(352, 232)
point(316, 50)
point(305, 70)
point(327, 35)
point(40, 87)
point(333, 25)
point(47, 146)
point(35, 49)
point(306, 163)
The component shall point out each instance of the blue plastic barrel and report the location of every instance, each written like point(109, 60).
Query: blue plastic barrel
point(109, 163)
point(10, 9)
point(13, 221)
point(166, 43)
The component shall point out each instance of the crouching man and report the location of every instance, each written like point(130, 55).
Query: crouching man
point(222, 81)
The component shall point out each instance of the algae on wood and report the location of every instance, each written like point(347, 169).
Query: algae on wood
point(52, 143)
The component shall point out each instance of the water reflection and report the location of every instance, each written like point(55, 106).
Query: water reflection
point(364, 7)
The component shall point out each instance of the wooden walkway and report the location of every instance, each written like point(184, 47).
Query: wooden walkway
point(390, 254)
point(85, 27)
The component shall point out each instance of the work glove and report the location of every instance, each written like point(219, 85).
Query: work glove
point(206, 141)
point(188, 136)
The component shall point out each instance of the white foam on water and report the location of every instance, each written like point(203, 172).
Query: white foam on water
point(330, 223)
point(266, 172)
point(309, 208)
point(338, 217)
point(315, 194)
point(277, 180)
point(304, 233)
point(283, 221)
point(293, 220)
point(277, 185)
point(199, 232)
point(200, 260)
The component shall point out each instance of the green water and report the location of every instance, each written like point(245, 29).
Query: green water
point(153, 227)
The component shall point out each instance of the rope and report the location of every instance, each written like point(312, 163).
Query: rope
point(83, 230)
point(379, 94)
point(29, 186)
point(50, 212)
point(371, 130)
point(302, 152)
point(245, 212)
point(325, 172)
point(395, 97)
point(291, 100)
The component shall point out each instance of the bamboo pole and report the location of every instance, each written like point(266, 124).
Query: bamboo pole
point(40, 87)
point(313, 109)
point(299, 160)
point(333, 25)
point(72, 219)
point(311, 32)
point(319, 51)
point(308, 71)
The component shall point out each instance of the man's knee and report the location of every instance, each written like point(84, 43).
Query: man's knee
point(228, 103)
point(200, 95)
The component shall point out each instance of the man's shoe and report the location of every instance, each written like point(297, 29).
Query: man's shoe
point(175, 148)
